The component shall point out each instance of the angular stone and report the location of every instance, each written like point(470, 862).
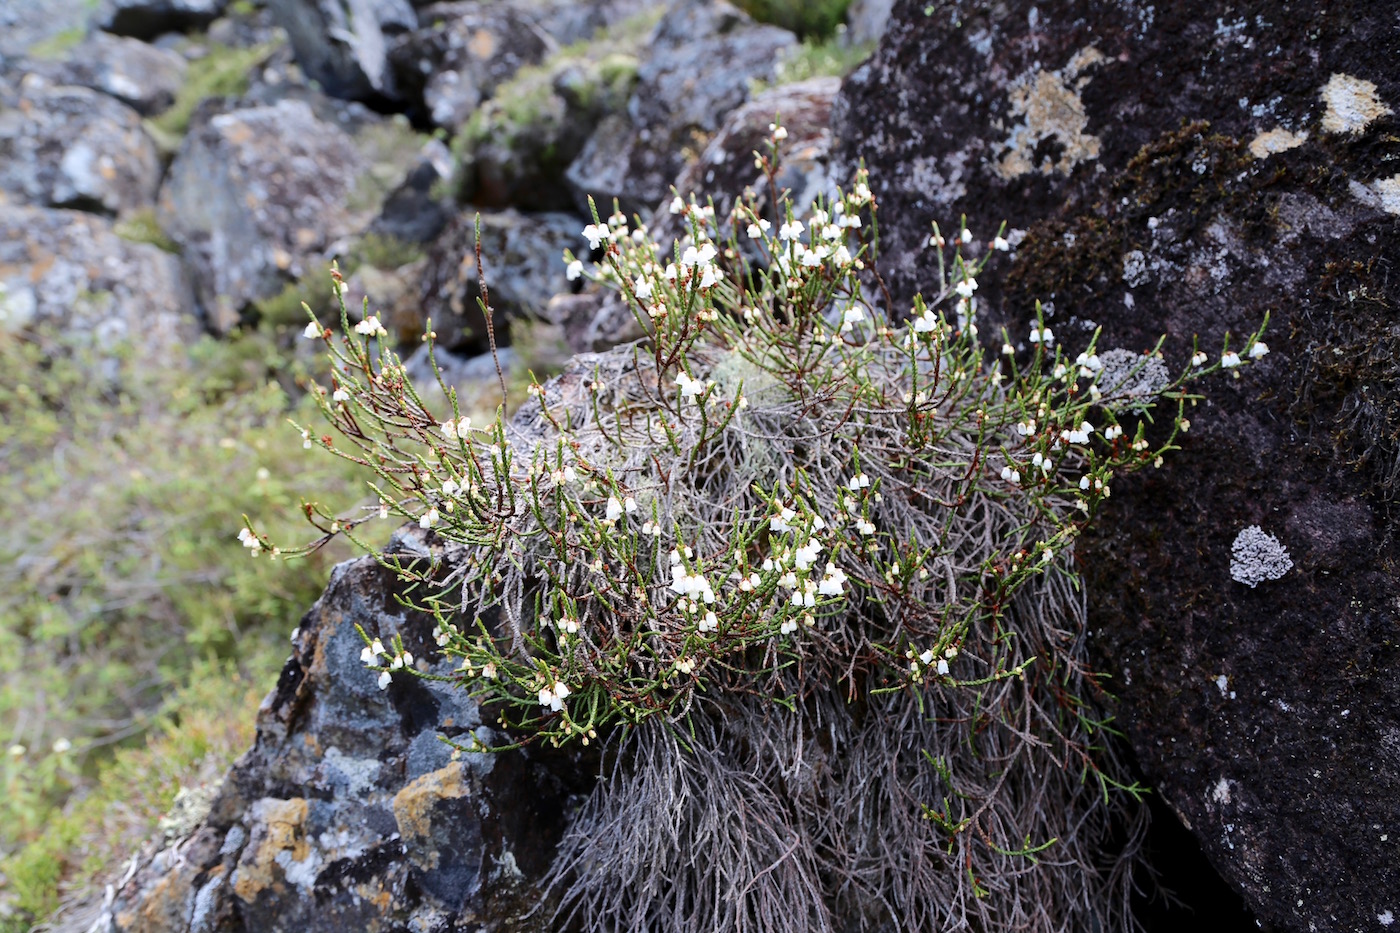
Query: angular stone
point(69, 270)
point(140, 75)
point(349, 813)
point(254, 197)
point(64, 146)
point(703, 56)
point(344, 44)
point(463, 52)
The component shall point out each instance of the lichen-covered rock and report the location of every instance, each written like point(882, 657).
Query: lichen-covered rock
point(464, 51)
point(68, 270)
point(522, 256)
point(138, 74)
point(701, 61)
point(349, 812)
point(146, 19)
point(726, 169)
point(1165, 176)
point(344, 44)
point(63, 146)
point(26, 25)
point(254, 197)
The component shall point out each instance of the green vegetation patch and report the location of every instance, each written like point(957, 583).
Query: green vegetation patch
point(122, 580)
point(817, 18)
point(817, 58)
point(222, 72)
point(143, 227)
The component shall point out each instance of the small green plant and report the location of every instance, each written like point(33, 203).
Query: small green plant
point(142, 227)
point(222, 72)
point(791, 543)
point(825, 58)
point(59, 44)
point(807, 18)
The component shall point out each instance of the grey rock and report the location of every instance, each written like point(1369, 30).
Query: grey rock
point(138, 74)
point(464, 51)
point(146, 19)
point(64, 146)
point(70, 271)
point(349, 813)
point(702, 58)
point(1157, 168)
point(25, 24)
point(522, 256)
point(866, 20)
point(254, 197)
point(725, 169)
point(344, 44)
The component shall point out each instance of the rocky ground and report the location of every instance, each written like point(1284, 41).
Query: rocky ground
point(169, 167)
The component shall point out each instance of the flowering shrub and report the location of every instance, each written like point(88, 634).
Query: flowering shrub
point(808, 566)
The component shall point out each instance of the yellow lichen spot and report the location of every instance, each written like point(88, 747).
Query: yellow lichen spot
point(1274, 141)
point(1050, 105)
point(413, 805)
point(281, 828)
point(482, 44)
point(1352, 104)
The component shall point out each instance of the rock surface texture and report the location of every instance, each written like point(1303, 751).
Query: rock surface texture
point(70, 270)
point(1184, 171)
point(251, 195)
point(65, 146)
point(702, 57)
point(349, 813)
point(344, 44)
point(521, 257)
point(138, 74)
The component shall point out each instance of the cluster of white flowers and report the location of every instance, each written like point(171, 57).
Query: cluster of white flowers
point(402, 660)
point(370, 327)
point(250, 541)
point(921, 664)
point(552, 696)
point(452, 429)
point(687, 582)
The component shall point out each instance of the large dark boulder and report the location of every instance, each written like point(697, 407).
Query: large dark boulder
point(1185, 170)
point(349, 812)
